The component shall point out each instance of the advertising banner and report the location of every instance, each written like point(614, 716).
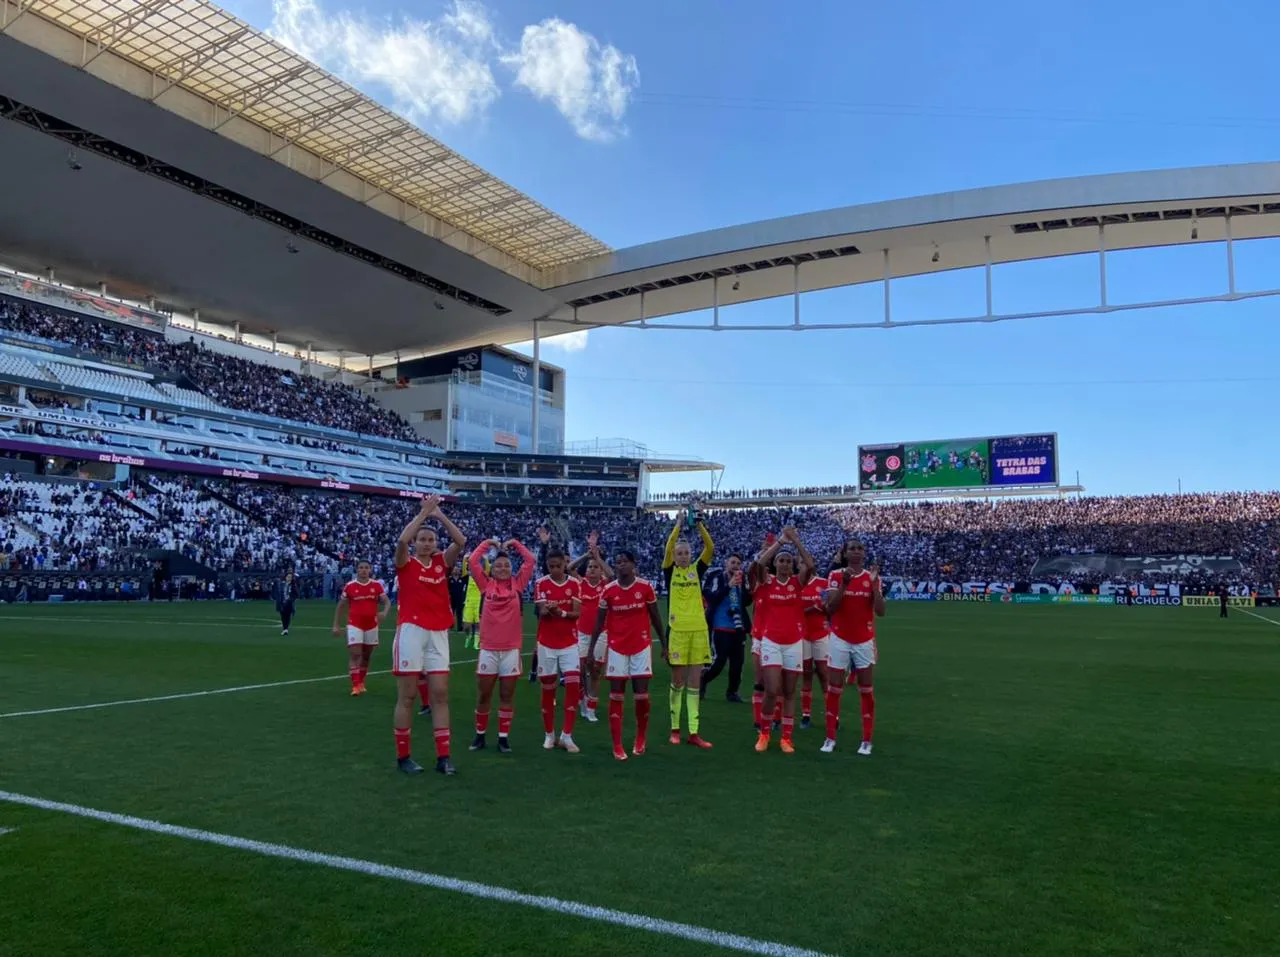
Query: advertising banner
point(959, 463)
point(1211, 601)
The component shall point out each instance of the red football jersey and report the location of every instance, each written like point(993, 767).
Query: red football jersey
point(816, 625)
point(589, 595)
point(855, 619)
point(628, 618)
point(785, 623)
point(423, 596)
point(759, 609)
point(362, 603)
point(555, 632)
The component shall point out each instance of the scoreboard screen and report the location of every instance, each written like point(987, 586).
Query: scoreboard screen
point(959, 463)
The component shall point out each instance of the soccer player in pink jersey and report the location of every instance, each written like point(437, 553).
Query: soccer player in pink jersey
point(817, 638)
point(501, 635)
point(629, 613)
point(557, 601)
point(425, 616)
point(366, 603)
point(855, 601)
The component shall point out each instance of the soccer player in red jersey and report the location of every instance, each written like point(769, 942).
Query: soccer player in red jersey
point(781, 649)
point(366, 604)
point(855, 600)
point(817, 631)
point(557, 601)
point(422, 632)
point(760, 606)
point(629, 613)
point(593, 574)
point(501, 635)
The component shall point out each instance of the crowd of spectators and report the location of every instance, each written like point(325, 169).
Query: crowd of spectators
point(756, 494)
point(228, 526)
point(231, 381)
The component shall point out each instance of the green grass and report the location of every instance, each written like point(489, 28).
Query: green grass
point(1047, 781)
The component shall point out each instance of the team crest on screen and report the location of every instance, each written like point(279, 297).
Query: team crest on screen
point(893, 463)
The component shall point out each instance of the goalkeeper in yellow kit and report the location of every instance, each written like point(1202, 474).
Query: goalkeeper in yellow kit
point(689, 648)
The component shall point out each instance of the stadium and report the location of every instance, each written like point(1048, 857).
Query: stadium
point(251, 320)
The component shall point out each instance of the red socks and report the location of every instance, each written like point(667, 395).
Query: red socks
point(788, 725)
point(424, 692)
point(354, 674)
point(572, 694)
point(549, 704)
point(402, 742)
point(482, 722)
point(868, 711)
point(806, 701)
point(757, 703)
point(442, 742)
point(642, 715)
point(615, 718)
point(592, 702)
point(833, 711)
point(504, 721)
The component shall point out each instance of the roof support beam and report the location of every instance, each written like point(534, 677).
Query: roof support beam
point(314, 120)
point(364, 148)
point(473, 216)
point(516, 229)
point(403, 174)
point(256, 92)
point(119, 28)
point(24, 7)
point(457, 189)
point(179, 68)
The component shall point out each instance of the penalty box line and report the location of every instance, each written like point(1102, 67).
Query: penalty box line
point(1253, 614)
point(654, 925)
point(193, 694)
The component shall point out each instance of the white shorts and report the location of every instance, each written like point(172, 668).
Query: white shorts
point(558, 661)
point(755, 646)
point(357, 637)
point(787, 657)
point(504, 664)
point(844, 654)
point(419, 651)
point(630, 666)
point(815, 650)
point(584, 646)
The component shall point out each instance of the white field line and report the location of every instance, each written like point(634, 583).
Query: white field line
point(654, 925)
point(194, 694)
point(6, 830)
point(1252, 614)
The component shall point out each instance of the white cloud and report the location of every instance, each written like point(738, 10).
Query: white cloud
point(565, 342)
point(590, 84)
point(434, 70)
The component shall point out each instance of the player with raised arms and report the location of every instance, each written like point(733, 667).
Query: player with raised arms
point(689, 642)
point(629, 614)
point(501, 634)
point(366, 603)
point(557, 601)
point(855, 600)
point(816, 644)
point(781, 651)
point(425, 616)
point(593, 574)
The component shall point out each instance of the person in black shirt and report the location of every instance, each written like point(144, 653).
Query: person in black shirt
point(286, 601)
point(1224, 599)
point(727, 597)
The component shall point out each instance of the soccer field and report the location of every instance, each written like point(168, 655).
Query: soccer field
point(1046, 781)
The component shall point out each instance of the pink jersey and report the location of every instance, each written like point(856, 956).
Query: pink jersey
point(501, 624)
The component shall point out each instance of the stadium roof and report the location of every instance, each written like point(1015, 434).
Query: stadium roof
point(245, 74)
point(922, 235)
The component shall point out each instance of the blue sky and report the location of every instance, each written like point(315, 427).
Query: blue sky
point(640, 121)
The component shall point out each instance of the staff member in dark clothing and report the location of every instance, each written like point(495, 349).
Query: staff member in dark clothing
point(1223, 600)
point(286, 601)
point(726, 594)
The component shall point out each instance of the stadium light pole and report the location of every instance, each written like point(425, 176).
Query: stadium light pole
point(537, 374)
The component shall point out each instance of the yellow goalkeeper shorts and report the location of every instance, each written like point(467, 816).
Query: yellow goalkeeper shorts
point(689, 648)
